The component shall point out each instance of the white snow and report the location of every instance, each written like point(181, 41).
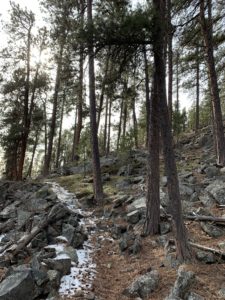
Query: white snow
point(83, 273)
point(2, 237)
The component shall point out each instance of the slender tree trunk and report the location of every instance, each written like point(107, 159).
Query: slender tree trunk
point(197, 92)
point(81, 76)
point(106, 126)
point(103, 89)
point(135, 124)
point(30, 169)
point(58, 153)
point(152, 224)
point(120, 125)
point(147, 93)
point(25, 131)
point(183, 250)
point(73, 156)
point(98, 189)
point(54, 110)
point(170, 60)
point(177, 83)
point(207, 31)
point(109, 128)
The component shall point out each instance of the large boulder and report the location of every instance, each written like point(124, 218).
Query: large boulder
point(143, 286)
point(182, 284)
point(19, 285)
point(217, 190)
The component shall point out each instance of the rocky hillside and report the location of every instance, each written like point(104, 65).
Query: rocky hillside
point(44, 228)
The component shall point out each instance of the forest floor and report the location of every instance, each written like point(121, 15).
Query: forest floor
point(116, 270)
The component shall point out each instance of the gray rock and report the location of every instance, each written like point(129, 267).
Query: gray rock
point(68, 231)
point(182, 284)
point(222, 293)
point(133, 217)
point(185, 191)
point(54, 278)
point(212, 171)
point(138, 204)
point(143, 286)
point(23, 216)
point(9, 211)
point(165, 227)
point(61, 263)
point(194, 296)
point(217, 190)
point(136, 247)
point(212, 230)
point(207, 200)
point(71, 252)
point(19, 285)
point(194, 197)
point(205, 257)
point(119, 200)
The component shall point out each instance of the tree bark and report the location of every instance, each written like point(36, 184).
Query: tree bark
point(183, 249)
point(54, 109)
point(33, 154)
point(207, 31)
point(152, 224)
point(98, 189)
point(109, 127)
point(170, 60)
point(147, 93)
point(120, 125)
point(60, 131)
point(197, 90)
point(106, 126)
point(25, 131)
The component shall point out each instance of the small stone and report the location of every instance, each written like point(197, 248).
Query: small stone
point(133, 217)
point(205, 257)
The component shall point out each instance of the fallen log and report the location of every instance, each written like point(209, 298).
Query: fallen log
point(56, 213)
point(205, 218)
point(204, 248)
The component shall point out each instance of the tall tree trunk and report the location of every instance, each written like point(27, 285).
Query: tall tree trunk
point(147, 93)
point(30, 169)
point(120, 125)
point(152, 224)
point(177, 83)
point(54, 109)
point(81, 76)
point(207, 31)
point(183, 251)
point(74, 156)
point(197, 90)
point(98, 189)
point(135, 124)
point(60, 131)
point(25, 131)
point(109, 128)
point(103, 89)
point(170, 60)
point(106, 126)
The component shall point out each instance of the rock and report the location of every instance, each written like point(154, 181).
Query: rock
point(165, 227)
point(212, 230)
point(194, 296)
point(217, 190)
point(222, 246)
point(105, 177)
point(185, 191)
point(133, 217)
point(212, 171)
point(143, 286)
point(137, 179)
point(136, 247)
point(61, 263)
point(90, 296)
point(36, 205)
point(125, 170)
point(22, 217)
point(54, 279)
point(71, 252)
point(222, 293)
point(194, 197)
point(119, 200)
point(182, 284)
point(19, 285)
point(207, 200)
point(9, 211)
point(206, 257)
point(138, 204)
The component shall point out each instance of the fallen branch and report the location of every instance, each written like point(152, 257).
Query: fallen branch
point(205, 218)
point(204, 248)
point(56, 213)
